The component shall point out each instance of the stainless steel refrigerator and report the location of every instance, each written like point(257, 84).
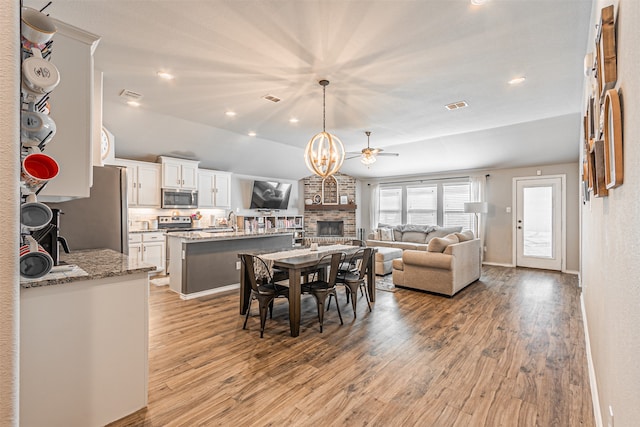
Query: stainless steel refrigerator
point(99, 221)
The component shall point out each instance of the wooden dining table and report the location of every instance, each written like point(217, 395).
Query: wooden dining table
point(297, 264)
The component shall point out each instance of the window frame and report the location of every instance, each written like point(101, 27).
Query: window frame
point(440, 208)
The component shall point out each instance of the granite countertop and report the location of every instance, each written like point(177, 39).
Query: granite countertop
point(204, 236)
point(92, 264)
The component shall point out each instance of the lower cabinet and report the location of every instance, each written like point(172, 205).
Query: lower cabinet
point(148, 247)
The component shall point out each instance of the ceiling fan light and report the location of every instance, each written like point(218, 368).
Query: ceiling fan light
point(367, 159)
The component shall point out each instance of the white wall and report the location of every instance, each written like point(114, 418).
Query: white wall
point(611, 244)
point(9, 212)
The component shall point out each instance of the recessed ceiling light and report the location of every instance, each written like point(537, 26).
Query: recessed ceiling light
point(133, 103)
point(165, 76)
point(293, 120)
point(252, 133)
point(478, 2)
point(230, 113)
point(517, 80)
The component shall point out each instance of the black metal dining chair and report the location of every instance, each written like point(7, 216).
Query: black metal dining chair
point(354, 277)
point(322, 288)
point(263, 289)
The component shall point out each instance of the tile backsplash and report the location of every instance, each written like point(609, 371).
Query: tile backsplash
point(139, 216)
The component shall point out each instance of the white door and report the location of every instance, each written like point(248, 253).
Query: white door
point(205, 189)
point(171, 175)
point(149, 185)
point(539, 222)
point(223, 190)
point(153, 253)
point(132, 186)
point(189, 175)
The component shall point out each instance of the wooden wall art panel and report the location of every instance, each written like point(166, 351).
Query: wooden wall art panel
point(613, 161)
point(606, 51)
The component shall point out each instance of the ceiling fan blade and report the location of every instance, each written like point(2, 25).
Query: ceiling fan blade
point(352, 156)
point(376, 150)
point(389, 154)
point(353, 153)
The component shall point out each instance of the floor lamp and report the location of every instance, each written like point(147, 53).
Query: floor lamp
point(476, 208)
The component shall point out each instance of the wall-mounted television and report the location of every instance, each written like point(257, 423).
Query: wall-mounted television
point(270, 195)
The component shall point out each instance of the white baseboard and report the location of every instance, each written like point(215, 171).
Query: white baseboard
point(592, 371)
point(577, 273)
point(498, 264)
point(213, 291)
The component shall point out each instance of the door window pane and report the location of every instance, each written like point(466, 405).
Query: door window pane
point(537, 221)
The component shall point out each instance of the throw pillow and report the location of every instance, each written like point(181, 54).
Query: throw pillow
point(376, 234)
point(465, 235)
point(386, 235)
point(439, 244)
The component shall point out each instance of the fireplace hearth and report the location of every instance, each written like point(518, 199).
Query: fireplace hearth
point(330, 228)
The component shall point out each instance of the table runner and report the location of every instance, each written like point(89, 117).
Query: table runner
point(269, 258)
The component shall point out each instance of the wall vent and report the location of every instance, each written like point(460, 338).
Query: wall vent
point(456, 105)
point(271, 98)
point(130, 95)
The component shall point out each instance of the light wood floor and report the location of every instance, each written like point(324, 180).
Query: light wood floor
point(507, 351)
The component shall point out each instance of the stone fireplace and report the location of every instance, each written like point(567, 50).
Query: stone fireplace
point(330, 228)
point(321, 219)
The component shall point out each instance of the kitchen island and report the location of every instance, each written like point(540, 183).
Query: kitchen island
point(84, 341)
point(203, 263)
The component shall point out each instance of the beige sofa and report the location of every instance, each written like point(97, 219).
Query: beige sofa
point(444, 272)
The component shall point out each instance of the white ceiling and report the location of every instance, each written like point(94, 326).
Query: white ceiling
point(392, 64)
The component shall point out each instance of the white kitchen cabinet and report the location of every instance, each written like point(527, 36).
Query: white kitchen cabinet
point(214, 189)
point(154, 249)
point(72, 110)
point(179, 173)
point(148, 247)
point(143, 183)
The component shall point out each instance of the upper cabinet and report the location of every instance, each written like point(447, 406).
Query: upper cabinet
point(143, 183)
point(214, 189)
point(72, 110)
point(179, 173)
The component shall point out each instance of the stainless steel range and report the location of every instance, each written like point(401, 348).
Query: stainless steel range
point(174, 223)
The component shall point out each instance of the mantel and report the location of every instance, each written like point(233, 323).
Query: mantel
point(321, 207)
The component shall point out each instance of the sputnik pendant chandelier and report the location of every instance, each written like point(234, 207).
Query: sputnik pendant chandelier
point(324, 153)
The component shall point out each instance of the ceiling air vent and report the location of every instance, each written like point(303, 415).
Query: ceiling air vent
point(130, 95)
point(456, 105)
point(271, 98)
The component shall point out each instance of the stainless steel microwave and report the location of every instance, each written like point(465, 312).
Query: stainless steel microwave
point(179, 199)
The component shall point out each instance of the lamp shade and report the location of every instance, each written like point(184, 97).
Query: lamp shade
point(476, 207)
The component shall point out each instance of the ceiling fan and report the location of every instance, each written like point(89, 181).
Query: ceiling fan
point(368, 155)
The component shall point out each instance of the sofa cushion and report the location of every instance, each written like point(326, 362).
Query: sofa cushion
point(397, 264)
point(465, 235)
point(414, 236)
point(386, 235)
point(439, 244)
